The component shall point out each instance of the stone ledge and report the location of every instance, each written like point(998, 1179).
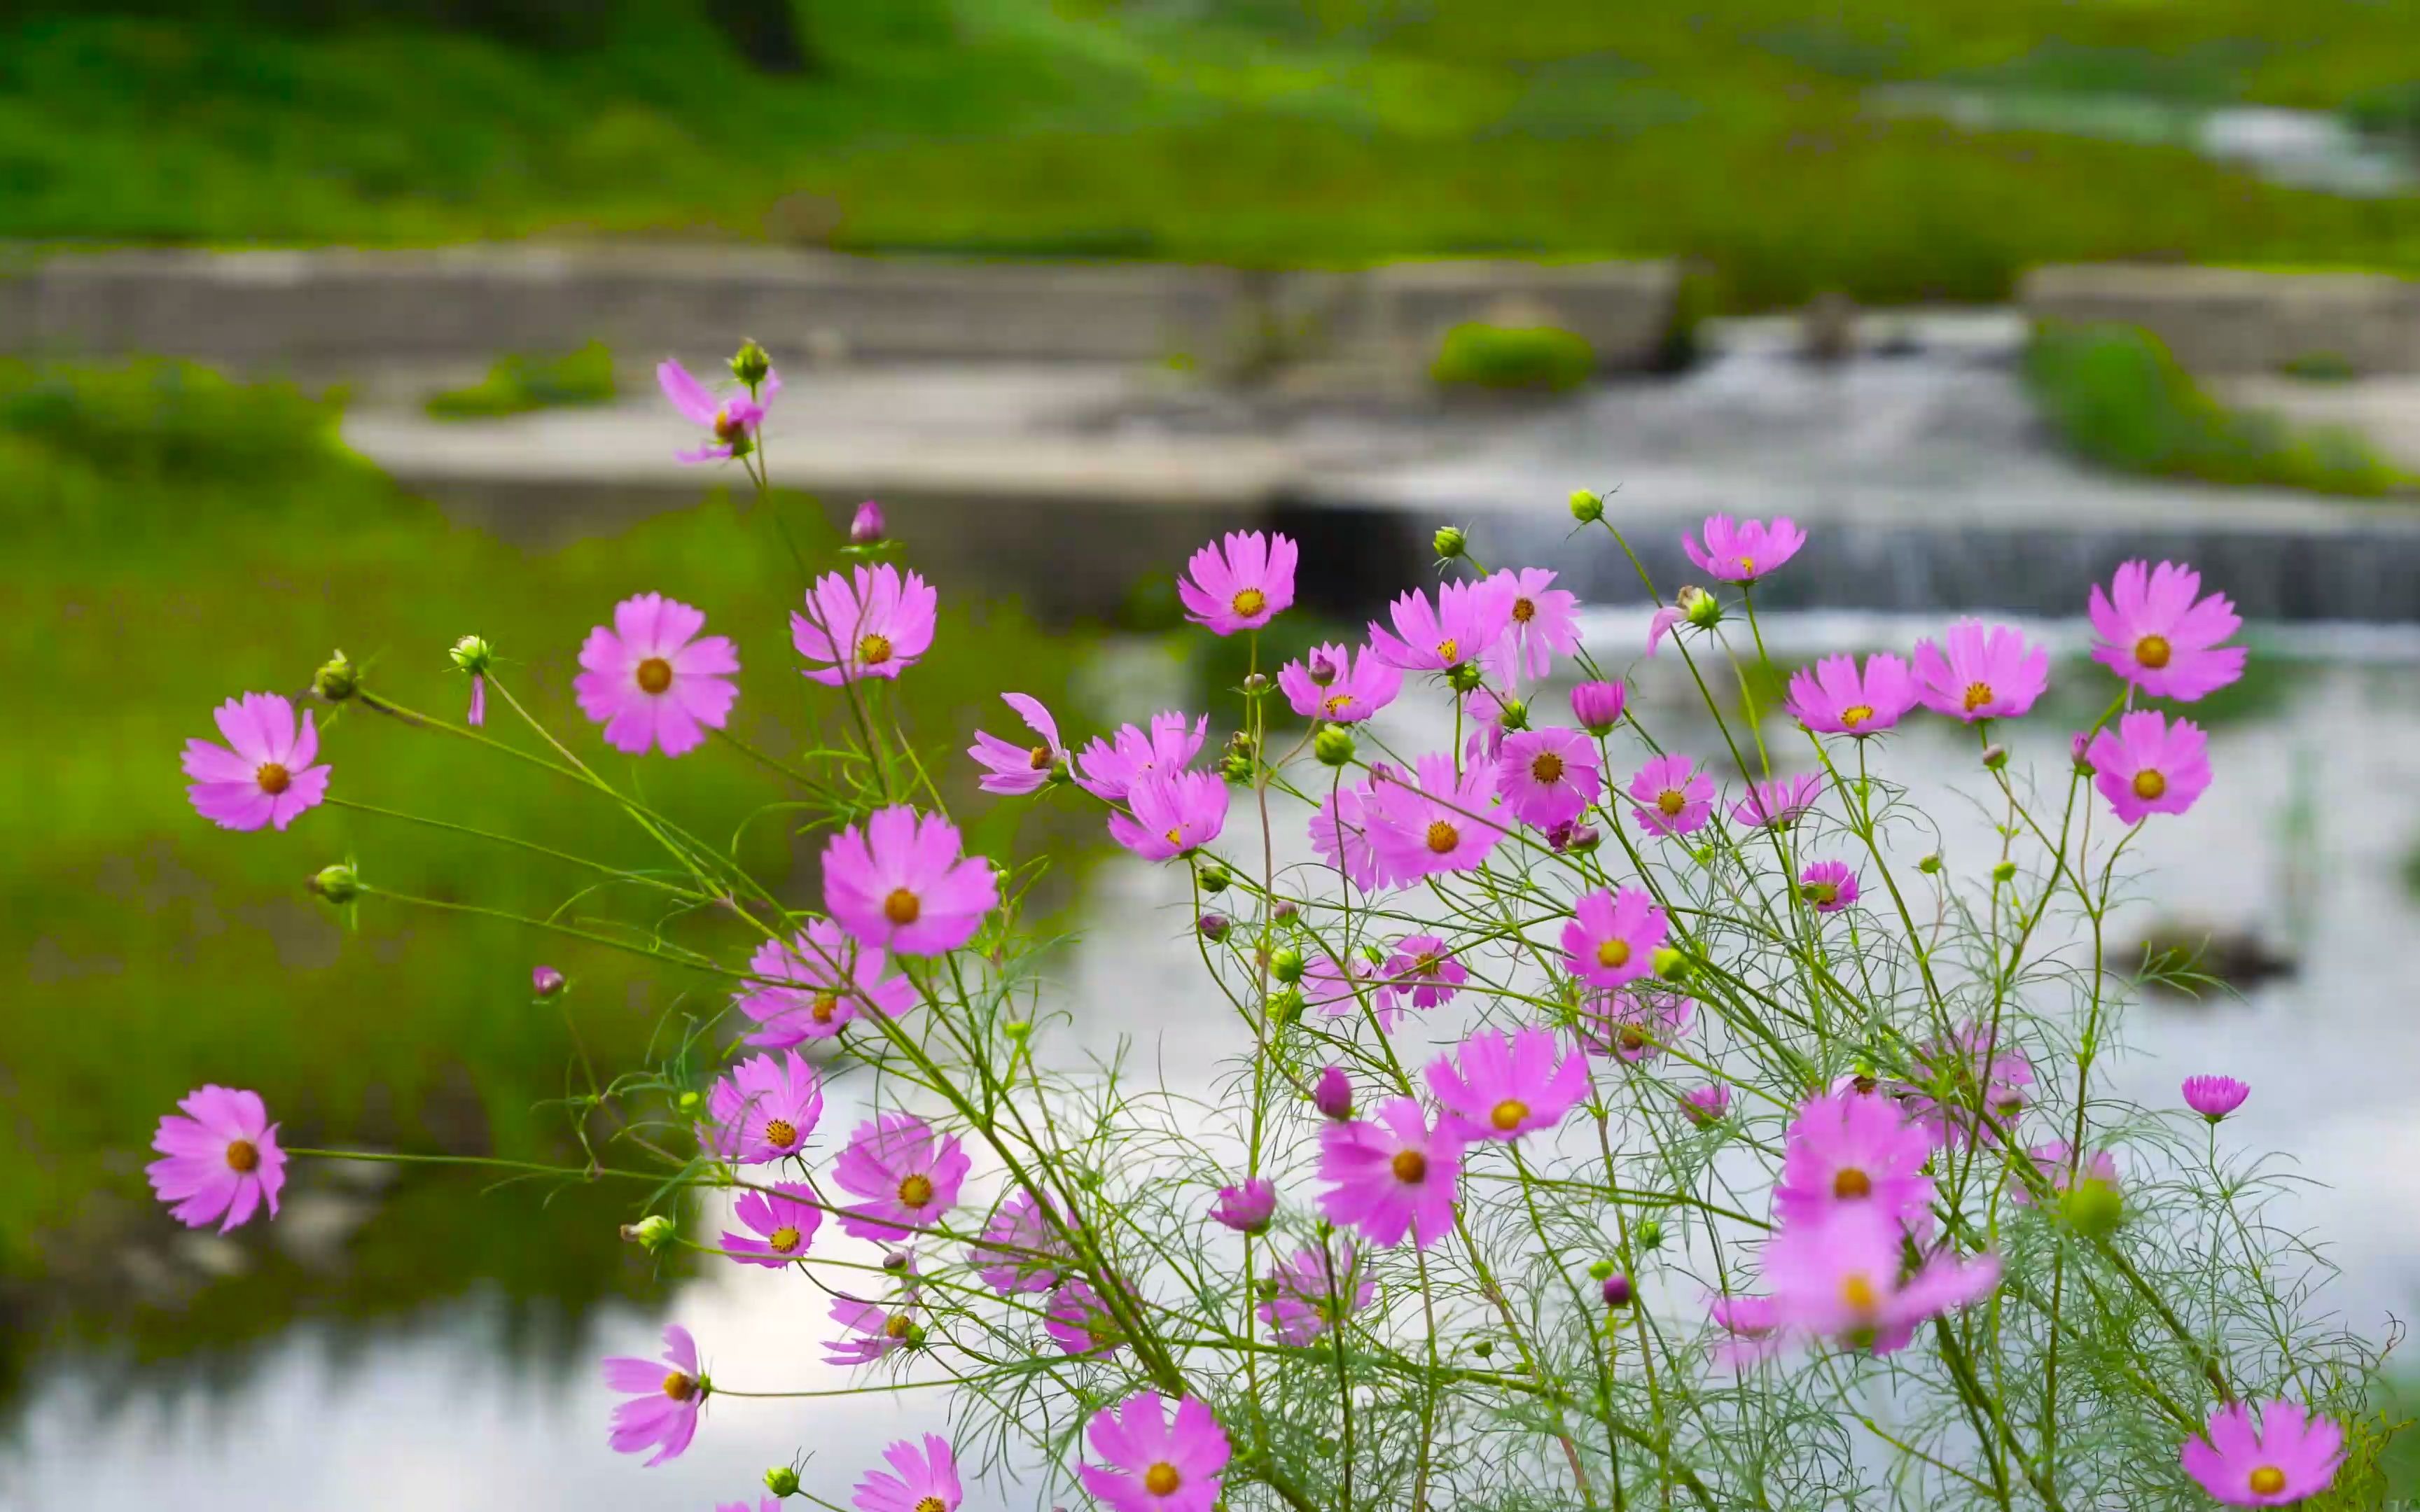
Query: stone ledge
point(2222, 321)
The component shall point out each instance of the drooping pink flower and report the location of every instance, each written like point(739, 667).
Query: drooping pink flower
point(2291, 1455)
point(1742, 551)
point(1339, 685)
point(1841, 1279)
point(1753, 1325)
point(1613, 936)
point(1828, 886)
point(1780, 803)
point(1975, 673)
point(1332, 1094)
point(1246, 1207)
point(1433, 822)
point(1635, 1022)
point(1078, 1321)
point(1492, 714)
point(218, 1159)
point(264, 774)
point(906, 1172)
point(1019, 1249)
point(1845, 1149)
point(661, 1413)
point(1154, 1463)
point(765, 1109)
point(1705, 1105)
point(1171, 814)
point(782, 1223)
point(1109, 767)
point(873, 1331)
point(1339, 987)
point(868, 622)
point(1314, 1289)
point(1834, 697)
point(916, 1482)
point(1239, 583)
point(1666, 620)
point(820, 981)
point(1011, 769)
point(2155, 636)
point(1423, 967)
point(1598, 707)
point(652, 681)
point(2150, 764)
point(2214, 1097)
point(1954, 1075)
point(732, 422)
point(1673, 796)
point(2052, 1160)
point(1547, 776)
point(903, 885)
point(1508, 1085)
point(867, 526)
point(1540, 623)
point(1341, 833)
point(1392, 1176)
point(1466, 620)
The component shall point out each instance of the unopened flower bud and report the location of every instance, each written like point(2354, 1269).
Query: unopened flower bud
point(1255, 684)
point(1651, 1234)
point(866, 526)
point(1286, 964)
point(1670, 964)
point(2005, 872)
point(1449, 541)
point(688, 1102)
point(1332, 1094)
point(1930, 865)
point(1588, 506)
point(2095, 1206)
point(472, 654)
point(652, 1232)
point(1512, 714)
point(1212, 927)
point(1236, 766)
point(1462, 676)
point(1616, 1290)
point(897, 1260)
point(1322, 669)
point(1214, 877)
point(339, 883)
point(1482, 1348)
point(339, 680)
point(1582, 839)
point(1704, 609)
point(1017, 1029)
point(1598, 707)
point(1333, 746)
point(1285, 1005)
point(1286, 908)
point(749, 364)
point(2078, 745)
point(545, 982)
point(1994, 757)
point(1600, 1270)
point(782, 1481)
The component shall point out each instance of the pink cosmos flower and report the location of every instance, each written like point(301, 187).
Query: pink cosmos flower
point(1635, 1022)
point(1541, 622)
point(661, 1413)
point(1316, 1289)
point(1391, 1176)
point(783, 1224)
point(1780, 803)
point(867, 526)
point(2052, 1160)
point(1547, 776)
point(1979, 673)
point(871, 622)
point(1508, 1085)
point(1841, 1279)
point(2288, 1457)
point(1754, 1326)
point(1741, 551)
point(1705, 1105)
point(2149, 765)
point(734, 421)
point(1019, 1249)
point(1597, 706)
point(1673, 796)
point(1667, 619)
point(1338, 988)
point(1834, 698)
point(1466, 620)
point(1152, 1463)
point(770, 1503)
point(906, 1171)
point(218, 1160)
point(820, 979)
point(1613, 936)
point(1845, 1149)
point(1013, 768)
point(652, 681)
point(2214, 1097)
point(903, 884)
point(1828, 886)
point(1078, 1321)
point(1336, 683)
point(1171, 814)
point(917, 1482)
point(1341, 833)
point(874, 1330)
point(1423, 967)
point(1240, 584)
point(1247, 1207)
point(1108, 768)
point(1492, 716)
point(264, 774)
point(2156, 637)
point(1953, 1076)
point(765, 1109)
point(1434, 822)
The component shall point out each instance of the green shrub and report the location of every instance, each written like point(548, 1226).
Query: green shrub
point(2319, 368)
point(1512, 357)
point(517, 385)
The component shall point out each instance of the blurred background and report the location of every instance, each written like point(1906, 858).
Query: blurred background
point(331, 323)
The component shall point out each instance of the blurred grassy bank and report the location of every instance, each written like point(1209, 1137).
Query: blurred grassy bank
point(176, 539)
point(1746, 136)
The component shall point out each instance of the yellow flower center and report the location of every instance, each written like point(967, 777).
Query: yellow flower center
point(1747, 564)
point(1823, 894)
point(1671, 801)
point(1443, 836)
point(2150, 784)
point(1038, 758)
point(1250, 601)
point(930, 1504)
point(1857, 714)
point(780, 1133)
point(727, 427)
point(243, 1156)
point(1852, 1183)
point(1336, 702)
point(1858, 1291)
point(1410, 1165)
point(680, 1388)
point(1613, 954)
point(784, 1240)
point(1449, 651)
point(2268, 1480)
point(1509, 1114)
point(1546, 766)
point(273, 778)
point(1428, 963)
point(1173, 835)
point(2152, 651)
point(1162, 1479)
point(655, 675)
point(824, 1007)
point(873, 650)
point(1977, 694)
point(1524, 611)
point(901, 907)
point(895, 1326)
point(916, 1191)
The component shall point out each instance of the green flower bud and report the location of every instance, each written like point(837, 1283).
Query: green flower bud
point(1285, 1005)
point(1017, 1029)
point(1255, 684)
point(1512, 714)
point(2094, 1207)
point(688, 1102)
point(1463, 676)
point(2005, 872)
point(1449, 541)
point(472, 654)
point(1704, 609)
point(1236, 766)
point(749, 364)
point(782, 1481)
point(1214, 877)
point(1930, 865)
point(1482, 1348)
point(1601, 1270)
point(339, 883)
point(339, 680)
point(1333, 747)
point(1670, 964)
point(1651, 1234)
point(652, 1232)
point(1588, 506)
point(1286, 964)
point(1994, 757)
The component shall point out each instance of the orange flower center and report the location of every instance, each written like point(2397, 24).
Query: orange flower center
point(1977, 694)
point(2268, 1480)
point(873, 650)
point(1747, 564)
point(727, 427)
point(1449, 651)
point(1613, 954)
point(1671, 801)
point(1162, 1479)
point(1547, 767)
point(1632, 1038)
point(1428, 963)
point(680, 1388)
point(2150, 784)
point(1173, 834)
point(780, 1133)
point(1038, 758)
point(1442, 837)
point(901, 907)
point(243, 1155)
point(1524, 611)
point(895, 1326)
point(824, 1007)
point(1249, 602)
point(1410, 1165)
point(916, 1191)
point(1857, 714)
point(273, 778)
point(1336, 702)
point(1858, 1291)
point(930, 1504)
point(784, 1240)
point(2152, 651)
point(655, 675)
point(1508, 1114)
point(1852, 1183)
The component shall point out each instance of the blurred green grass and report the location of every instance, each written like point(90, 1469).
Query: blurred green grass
point(1255, 132)
point(518, 383)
